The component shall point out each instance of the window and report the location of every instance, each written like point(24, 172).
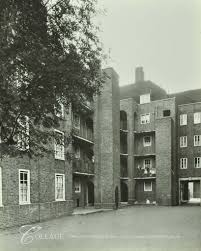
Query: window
point(1, 203)
point(197, 162)
point(147, 186)
point(147, 141)
point(183, 119)
point(197, 117)
point(145, 98)
point(183, 141)
point(24, 186)
point(77, 152)
point(76, 120)
point(59, 187)
point(145, 118)
point(23, 135)
point(59, 145)
point(147, 163)
point(197, 140)
point(77, 187)
point(166, 113)
point(183, 163)
point(59, 112)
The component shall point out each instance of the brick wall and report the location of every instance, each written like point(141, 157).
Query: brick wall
point(189, 130)
point(107, 142)
point(42, 188)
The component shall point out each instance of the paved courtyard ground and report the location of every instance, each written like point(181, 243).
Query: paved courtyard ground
point(131, 228)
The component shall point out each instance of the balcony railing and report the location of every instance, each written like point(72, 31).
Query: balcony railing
point(145, 172)
point(83, 166)
point(84, 133)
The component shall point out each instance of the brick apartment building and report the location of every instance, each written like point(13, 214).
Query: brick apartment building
point(134, 144)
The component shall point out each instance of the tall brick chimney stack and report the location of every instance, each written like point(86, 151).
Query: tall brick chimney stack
point(139, 74)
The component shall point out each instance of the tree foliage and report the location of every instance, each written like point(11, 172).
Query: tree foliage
point(49, 54)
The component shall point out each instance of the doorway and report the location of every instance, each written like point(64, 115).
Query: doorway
point(190, 192)
point(90, 193)
point(124, 192)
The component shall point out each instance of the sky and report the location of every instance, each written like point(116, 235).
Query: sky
point(163, 36)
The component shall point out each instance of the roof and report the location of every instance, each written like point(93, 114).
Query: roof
point(191, 96)
point(134, 90)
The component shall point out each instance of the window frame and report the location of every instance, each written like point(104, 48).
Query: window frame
point(166, 111)
point(63, 180)
point(199, 141)
point(79, 121)
point(28, 187)
point(144, 143)
point(197, 162)
point(182, 166)
point(79, 186)
point(182, 120)
point(146, 164)
point(145, 98)
point(196, 120)
point(151, 187)
point(146, 115)
point(60, 112)
point(62, 155)
point(1, 192)
point(77, 152)
point(180, 141)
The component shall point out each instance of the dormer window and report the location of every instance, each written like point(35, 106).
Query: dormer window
point(145, 98)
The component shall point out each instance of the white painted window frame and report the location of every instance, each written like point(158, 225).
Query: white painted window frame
point(146, 119)
point(63, 178)
point(183, 141)
point(145, 98)
point(183, 119)
point(147, 144)
point(1, 192)
point(60, 156)
point(197, 140)
point(28, 185)
point(145, 189)
point(183, 163)
point(150, 163)
point(197, 117)
point(198, 158)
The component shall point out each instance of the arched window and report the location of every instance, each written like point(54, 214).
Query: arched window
point(123, 120)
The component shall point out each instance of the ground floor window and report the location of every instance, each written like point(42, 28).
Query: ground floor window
point(59, 187)
point(1, 203)
point(77, 186)
point(147, 186)
point(24, 186)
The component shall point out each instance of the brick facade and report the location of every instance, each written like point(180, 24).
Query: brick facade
point(113, 163)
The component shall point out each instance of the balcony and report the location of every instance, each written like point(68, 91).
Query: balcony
point(84, 167)
point(142, 172)
point(85, 134)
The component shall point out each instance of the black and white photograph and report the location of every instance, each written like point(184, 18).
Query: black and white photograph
point(100, 125)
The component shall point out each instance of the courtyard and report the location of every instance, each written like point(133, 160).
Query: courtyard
point(129, 228)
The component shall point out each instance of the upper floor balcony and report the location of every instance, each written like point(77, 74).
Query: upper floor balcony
point(85, 167)
point(143, 172)
point(83, 128)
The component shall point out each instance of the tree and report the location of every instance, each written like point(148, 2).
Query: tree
point(49, 54)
